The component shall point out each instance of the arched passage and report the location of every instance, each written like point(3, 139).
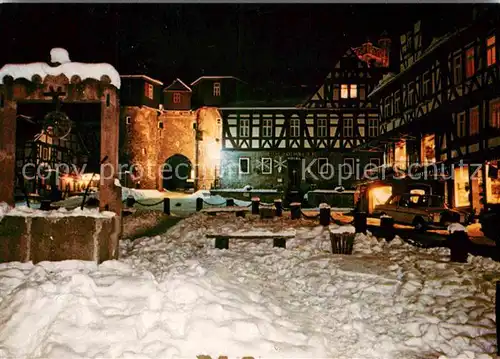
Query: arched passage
point(177, 173)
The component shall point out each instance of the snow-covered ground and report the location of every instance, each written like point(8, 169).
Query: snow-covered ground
point(175, 296)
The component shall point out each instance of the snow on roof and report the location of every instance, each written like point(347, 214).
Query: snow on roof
point(178, 80)
point(62, 65)
point(144, 77)
point(213, 78)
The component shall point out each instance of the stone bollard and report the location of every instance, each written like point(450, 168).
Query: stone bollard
point(295, 210)
point(278, 204)
point(130, 201)
point(387, 225)
point(166, 205)
point(324, 214)
point(458, 243)
point(199, 204)
point(255, 205)
point(230, 202)
point(360, 222)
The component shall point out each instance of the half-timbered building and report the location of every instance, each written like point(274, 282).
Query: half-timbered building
point(440, 114)
point(301, 143)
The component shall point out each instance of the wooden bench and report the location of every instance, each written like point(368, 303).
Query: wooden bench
point(239, 211)
point(279, 238)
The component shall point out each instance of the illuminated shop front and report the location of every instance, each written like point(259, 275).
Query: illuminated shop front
point(428, 149)
point(400, 155)
point(461, 186)
point(492, 183)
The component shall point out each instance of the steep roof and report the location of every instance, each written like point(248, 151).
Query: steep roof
point(178, 85)
point(213, 78)
point(144, 77)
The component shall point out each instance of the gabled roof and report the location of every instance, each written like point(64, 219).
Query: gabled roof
point(214, 78)
point(144, 77)
point(177, 85)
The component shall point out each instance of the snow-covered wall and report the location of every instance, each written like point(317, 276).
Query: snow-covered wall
point(65, 67)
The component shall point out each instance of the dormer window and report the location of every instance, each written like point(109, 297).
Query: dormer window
point(177, 97)
point(148, 91)
point(216, 89)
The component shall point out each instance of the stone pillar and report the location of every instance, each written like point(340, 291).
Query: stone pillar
point(7, 145)
point(109, 194)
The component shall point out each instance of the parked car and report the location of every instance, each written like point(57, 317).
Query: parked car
point(423, 211)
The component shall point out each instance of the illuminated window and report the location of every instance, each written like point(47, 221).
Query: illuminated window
point(462, 186)
point(267, 127)
point(148, 90)
point(244, 165)
point(495, 113)
point(244, 127)
point(177, 97)
point(474, 121)
point(428, 149)
point(216, 89)
point(294, 127)
point(372, 127)
point(267, 165)
point(397, 102)
point(492, 183)
point(461, 125)
point(348, 127)
point(353, 91)
point(362, 93)
point(469, 62)
point(322, 127)
point(457, 69)
point(323, 166)
point(400, 155)
point(344, 91)
point(491, 56)
point(390, 155)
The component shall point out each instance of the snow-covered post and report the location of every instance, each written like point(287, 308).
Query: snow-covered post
point(324, 214)
point(130, 201)
point(199, 204)
point(166, 205)
point(278, 204)
point(295, 210)
point(230, 202)
point(342, 238)
point(255, 205)
point(387, 226)
point(360, 222)
point(458, 243)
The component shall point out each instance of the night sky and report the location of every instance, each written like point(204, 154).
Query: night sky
point(290, 43)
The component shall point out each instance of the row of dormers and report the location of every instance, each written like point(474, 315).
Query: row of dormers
point(141, 90)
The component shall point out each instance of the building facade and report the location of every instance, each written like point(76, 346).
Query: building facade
point(307, 144)
point(226, 137)
point(440, 114)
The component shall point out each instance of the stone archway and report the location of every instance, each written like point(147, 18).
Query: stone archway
point(177, 173)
